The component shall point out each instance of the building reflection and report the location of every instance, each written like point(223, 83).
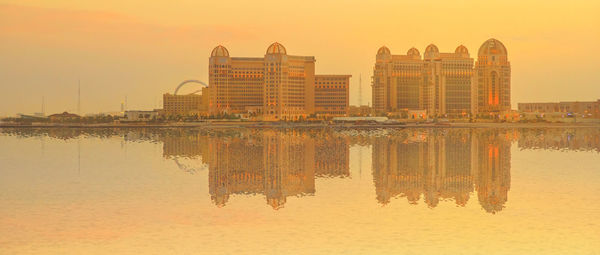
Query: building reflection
point(492, 168)
point(582, 139)
point(432, 165)
point(444, 165)
point(275, 164)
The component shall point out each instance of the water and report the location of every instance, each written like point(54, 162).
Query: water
point(411, 191)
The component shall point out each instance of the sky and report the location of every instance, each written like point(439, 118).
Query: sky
point(140, 50)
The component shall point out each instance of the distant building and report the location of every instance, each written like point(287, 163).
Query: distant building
point(447, 82)
point(587, 109)
point(104, 114)
point(62, 117)
point(281, 86)
point(442, 84)
point(140, 115)
point(236, 83)
point(184, 105)
point(331, 95)
point(397, 81)
point(492, 74)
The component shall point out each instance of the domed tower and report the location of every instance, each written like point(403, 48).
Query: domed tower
point(414, 53)
point(431, 99)
point(219, 51)
point(380, 82)
point(286, 75)
point(219, 67)
point(276, 48)
point(431, 52)
point(493, 75)
point(275, 68)
point(462, 51)
point(383, 54)
point(493, 47)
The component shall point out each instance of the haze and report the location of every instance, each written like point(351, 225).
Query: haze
point(142, 49)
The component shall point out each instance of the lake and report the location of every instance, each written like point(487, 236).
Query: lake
point(300, 191)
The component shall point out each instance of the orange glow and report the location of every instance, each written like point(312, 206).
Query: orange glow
point(54, 42)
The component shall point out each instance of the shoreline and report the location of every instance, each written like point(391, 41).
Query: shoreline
point(225, 124)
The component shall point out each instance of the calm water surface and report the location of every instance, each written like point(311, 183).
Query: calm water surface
point(411, 191)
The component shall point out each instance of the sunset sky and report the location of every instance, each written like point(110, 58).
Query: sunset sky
point(142, 49)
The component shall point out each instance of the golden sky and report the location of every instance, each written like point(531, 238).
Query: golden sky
point(142, 49)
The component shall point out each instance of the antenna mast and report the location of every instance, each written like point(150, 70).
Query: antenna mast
point(79, 96)
point(360, 90)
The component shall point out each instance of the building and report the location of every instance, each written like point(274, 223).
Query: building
point(64, 117)
point(236, 83)
point(277, 86)
point(332, 95)
point(184, 105)
point(442, 84)
point(492, 75)
point(397, 81)
point(589, 109)
point(439, 83)
point(446, 90)
point(135, 116)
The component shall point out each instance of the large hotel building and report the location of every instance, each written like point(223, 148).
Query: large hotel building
point(443, 84)
point(277, 86)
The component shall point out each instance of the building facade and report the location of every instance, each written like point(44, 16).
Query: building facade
point(185, 105)
point(236, 84)
point(397, 81)
point(447, 82)
point(589, 109)
point(492, 73)
point(442, 84)
point(277, 86)
point(331, 95)
point(289, 84)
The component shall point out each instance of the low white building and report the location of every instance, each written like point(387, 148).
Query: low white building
point(140, 115)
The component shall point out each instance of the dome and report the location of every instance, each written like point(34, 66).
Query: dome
point(431, 51)
point(432, 48)
point(276, 48)
point(492, 47)
point(383, 50)
point(462, 50)
point(219, 51)
point(413, 52)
